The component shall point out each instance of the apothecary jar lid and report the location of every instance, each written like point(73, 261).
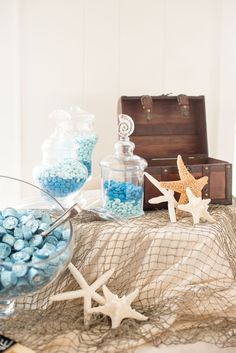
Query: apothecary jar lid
point(124, 157)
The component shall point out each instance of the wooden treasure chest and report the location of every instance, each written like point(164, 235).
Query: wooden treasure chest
point(166, 126)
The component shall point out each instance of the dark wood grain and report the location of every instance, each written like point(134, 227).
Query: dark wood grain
point(167, 134)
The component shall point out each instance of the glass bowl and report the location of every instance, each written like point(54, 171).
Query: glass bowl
point(28, 261)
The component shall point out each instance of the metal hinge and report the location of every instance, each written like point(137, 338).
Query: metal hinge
point(147, 103)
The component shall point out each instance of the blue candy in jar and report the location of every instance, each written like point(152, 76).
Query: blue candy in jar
point(122, 175)
point(123, 199)
point(60, 174)
point(85, 145)
point(62, 178)
point(85, 138)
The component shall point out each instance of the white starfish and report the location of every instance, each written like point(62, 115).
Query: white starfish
point(197, 207)
point(168, 196)
point(118, 308)
point(88, 292)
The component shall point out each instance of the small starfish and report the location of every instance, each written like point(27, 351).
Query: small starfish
point(88, 292)
point(168, 196)
point(118, 308)
point(197, 207)
point(186, 180)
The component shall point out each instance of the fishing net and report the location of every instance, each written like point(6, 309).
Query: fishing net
point(185, 274)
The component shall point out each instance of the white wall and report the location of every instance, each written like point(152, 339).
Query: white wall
point(227, 104)
point(10, 118)
point(89, 52)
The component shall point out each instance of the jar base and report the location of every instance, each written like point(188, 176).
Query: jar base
point(123, 215)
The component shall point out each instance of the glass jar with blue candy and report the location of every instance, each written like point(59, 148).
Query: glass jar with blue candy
point(60, 173)
point(84, 137)
point(122, 175)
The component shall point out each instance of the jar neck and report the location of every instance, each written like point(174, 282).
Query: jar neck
point(124, 148)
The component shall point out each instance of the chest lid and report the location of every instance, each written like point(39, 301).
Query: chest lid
point(166, 126)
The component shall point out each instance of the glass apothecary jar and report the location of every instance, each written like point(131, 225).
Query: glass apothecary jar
point(122, 175)
point(60, 173)
point(84, 136)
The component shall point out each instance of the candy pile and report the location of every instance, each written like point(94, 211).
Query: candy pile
point(123, 199)
point(27, 260)
point(62, 178)
point(85, 145)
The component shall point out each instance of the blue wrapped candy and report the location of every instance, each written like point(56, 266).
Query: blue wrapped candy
point(51, 239)
point(36, 240)
point(33, 225)
point(10, 223)
point(42, 254)
point(58, 233)
point(27, 232)
point(19, 244)
point(27, 259)
point(20, 269)
point(20, 256)
point(5, 250)
point(50, 247)
point(18, 233)
point(8, 278)
point(7, 212)
point(8, 239)
point(36, 276)
point(2, 231)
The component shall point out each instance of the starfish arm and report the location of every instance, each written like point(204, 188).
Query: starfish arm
point(202, 182)
point(183, 199)
point(100, 309)
point(103, 279)
point(87, 308)
point(107, 293)
point(118, 314)
point(98, 298)
point(116, 318)
point(155, 182)
point(132, 296)
point(184, 207)
point(190, 194)
point(96, 309)
point(171, 210)
point(196, 217)
point(183, 171)
point(132, 313)
point(67, 295)
point(172, 198)
point(77, 276)
point(87, 303)
point(129, 313)
point(206, 201)
point(173, 185)
point(158, 199)
point(206, 215)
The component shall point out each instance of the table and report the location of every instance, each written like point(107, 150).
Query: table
point(185, 274)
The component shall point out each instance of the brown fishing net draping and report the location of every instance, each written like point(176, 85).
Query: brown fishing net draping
point(185, 274)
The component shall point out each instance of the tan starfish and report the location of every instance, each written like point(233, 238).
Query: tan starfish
point(186, 180)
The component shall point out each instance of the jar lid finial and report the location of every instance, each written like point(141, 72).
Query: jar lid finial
point(125, 126)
